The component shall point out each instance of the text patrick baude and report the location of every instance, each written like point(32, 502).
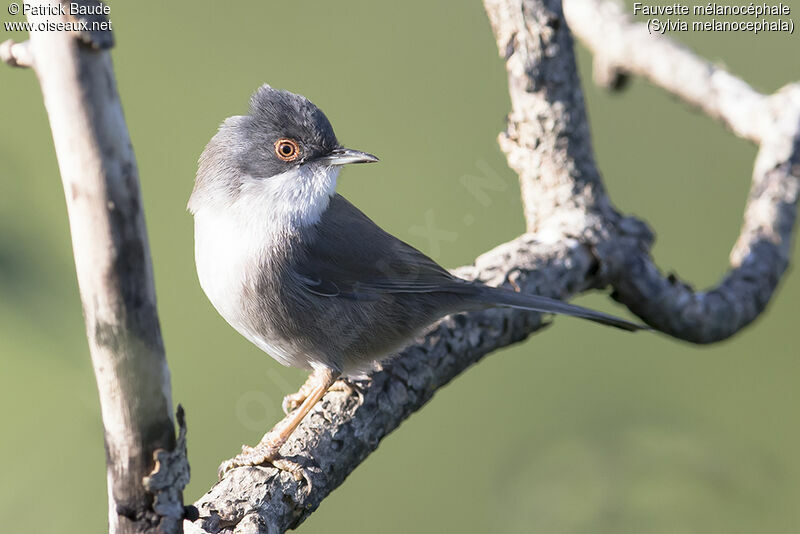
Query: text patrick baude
point(73, 9)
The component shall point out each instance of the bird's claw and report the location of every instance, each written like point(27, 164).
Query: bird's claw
point(293, 401)
point(297, 471)
point(226, 466)
point(258, 456)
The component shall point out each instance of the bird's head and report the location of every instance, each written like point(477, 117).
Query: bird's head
point(284, 145)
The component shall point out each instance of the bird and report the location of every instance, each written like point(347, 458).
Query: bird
point(302, 273)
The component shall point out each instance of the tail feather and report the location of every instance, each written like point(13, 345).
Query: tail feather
point(503, 297)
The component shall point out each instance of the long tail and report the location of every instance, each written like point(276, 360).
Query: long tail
point(503, 297)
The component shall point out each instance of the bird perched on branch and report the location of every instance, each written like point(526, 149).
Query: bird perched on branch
point(305, 275)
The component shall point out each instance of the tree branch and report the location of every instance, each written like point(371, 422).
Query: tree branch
point(112, 261)
point(547, 140)
point(623, 46)
point(761, 254)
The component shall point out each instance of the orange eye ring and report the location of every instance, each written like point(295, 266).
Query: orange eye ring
point(287, 149)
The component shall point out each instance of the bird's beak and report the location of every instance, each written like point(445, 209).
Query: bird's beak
point(344, 156)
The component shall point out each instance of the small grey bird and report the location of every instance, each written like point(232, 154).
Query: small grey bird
point(301, 272)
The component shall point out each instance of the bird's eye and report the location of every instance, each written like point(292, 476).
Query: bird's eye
point(287, 149)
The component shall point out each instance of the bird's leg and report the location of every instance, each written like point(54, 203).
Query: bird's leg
point(292, 401)
point(267, 450)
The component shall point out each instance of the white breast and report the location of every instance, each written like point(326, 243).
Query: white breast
point(222, 250)
point(231, 237)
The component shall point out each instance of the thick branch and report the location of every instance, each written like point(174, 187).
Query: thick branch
point(112, 261)
point(761, 254)
point(547, 141)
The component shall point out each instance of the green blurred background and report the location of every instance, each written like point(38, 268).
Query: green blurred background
point(621, 434)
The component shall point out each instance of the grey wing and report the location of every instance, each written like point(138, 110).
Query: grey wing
point(352, 257)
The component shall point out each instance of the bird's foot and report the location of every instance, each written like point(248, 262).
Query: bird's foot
point(348, 388)
point(263, 454)
point(293, 401)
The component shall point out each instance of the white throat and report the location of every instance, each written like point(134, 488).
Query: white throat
point(285, 202)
